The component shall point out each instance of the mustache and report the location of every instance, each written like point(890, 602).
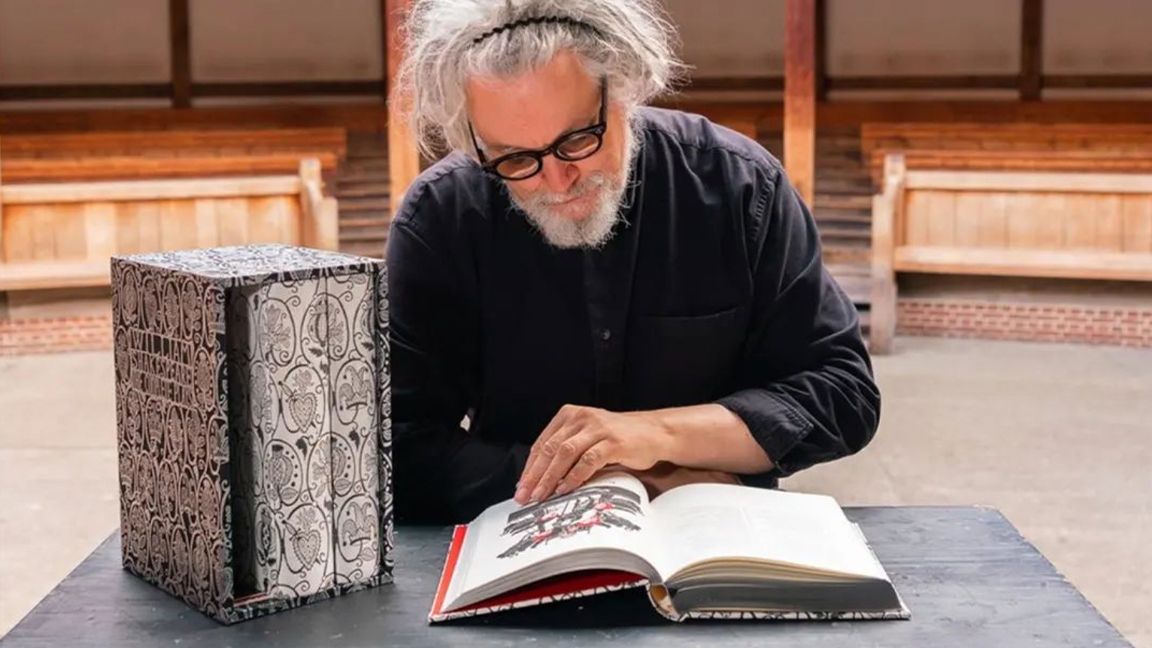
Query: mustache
point(592, 183)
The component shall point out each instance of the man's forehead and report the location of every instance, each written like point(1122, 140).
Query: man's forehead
point(531, 109)
point(504, 118)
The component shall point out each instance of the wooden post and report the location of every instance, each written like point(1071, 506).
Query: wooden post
point(885, 224)
point(821, 73)
point(319, 222)
point(403, 158)
point(800, 95)
point(181, 56)
point(386, 73)
point(3, 256)
point(1031, 49)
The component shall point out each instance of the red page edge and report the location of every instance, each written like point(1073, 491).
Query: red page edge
point(449, 567)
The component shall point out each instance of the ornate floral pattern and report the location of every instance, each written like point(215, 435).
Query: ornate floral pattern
point(254, 448)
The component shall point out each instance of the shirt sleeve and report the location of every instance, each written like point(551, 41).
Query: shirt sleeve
point(808, 394)
point(442, 472)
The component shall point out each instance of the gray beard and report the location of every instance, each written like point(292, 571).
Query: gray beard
point(594, 230)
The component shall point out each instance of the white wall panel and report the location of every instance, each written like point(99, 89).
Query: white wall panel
point(83, 41)
point(285, 40)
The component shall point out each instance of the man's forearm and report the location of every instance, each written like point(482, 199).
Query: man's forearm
point(710, 437)
point(580, 441)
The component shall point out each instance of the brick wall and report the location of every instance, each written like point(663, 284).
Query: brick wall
point(53, 335)
point(1026, 321)
point(927, 317)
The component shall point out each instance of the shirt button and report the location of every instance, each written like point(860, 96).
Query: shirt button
point(605, 334)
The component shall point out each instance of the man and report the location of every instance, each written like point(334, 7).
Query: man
point(584, 283)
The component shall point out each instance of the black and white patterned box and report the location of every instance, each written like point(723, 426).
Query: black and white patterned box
point(253, 412)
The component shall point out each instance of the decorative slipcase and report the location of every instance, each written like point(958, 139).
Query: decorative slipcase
point(253, 416)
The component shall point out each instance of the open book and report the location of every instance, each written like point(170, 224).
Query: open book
point(702, 550)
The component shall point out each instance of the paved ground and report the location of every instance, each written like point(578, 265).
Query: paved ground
point(1057, 437)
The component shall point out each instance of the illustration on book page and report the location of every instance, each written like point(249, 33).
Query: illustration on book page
point(569, 515)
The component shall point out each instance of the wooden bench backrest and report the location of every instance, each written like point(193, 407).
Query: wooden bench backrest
point(62, 234)
point(176, 143)
point(982, 160)
point(24, 170)
point(1036, 147)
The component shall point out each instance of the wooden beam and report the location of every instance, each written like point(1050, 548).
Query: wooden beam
point(45, 275)
point(115, 167)
point(800, 95)
point(769, 116)
point(62, 192)
point(403, 157)
point(181, 53)
point(1094, 81)
point(835, 114)
point(1055, 264)
point(372, 117)
point(86, 91)
point(385, 75)
point(285, 88)
point(1031, 49)
point(183, 96)
point(3, 255)
point(366, 117)
point(207, 141)
point(736, 84)
point(1104, 161)
point(821, 50)
point(947, 82)
point(172, 90)
point(1012, 181)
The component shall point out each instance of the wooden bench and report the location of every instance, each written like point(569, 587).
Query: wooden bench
point(28, 170)
point(982, 160)
point(1119, 148)
point(176, 143)
point(1005, 223)
point(71, 157)
point(62, 235)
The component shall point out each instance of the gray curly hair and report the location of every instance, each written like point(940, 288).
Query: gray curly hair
point(629, 42)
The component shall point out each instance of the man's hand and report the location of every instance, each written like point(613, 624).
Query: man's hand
point(666, 476)
point(580, 441)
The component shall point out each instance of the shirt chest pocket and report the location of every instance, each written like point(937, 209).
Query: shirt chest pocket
point(684, 360)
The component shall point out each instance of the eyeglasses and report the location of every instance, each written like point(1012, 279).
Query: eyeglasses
point(571, 146)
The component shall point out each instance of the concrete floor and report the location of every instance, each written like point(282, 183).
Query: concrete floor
point(1057, 437)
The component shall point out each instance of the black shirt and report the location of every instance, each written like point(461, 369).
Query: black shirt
point(713, 291)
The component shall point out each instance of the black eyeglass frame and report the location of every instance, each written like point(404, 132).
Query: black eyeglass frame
point(598, 129)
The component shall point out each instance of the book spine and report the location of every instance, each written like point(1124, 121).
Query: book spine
point(661, 600)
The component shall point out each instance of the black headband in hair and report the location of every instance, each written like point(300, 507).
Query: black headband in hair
point(523, 22)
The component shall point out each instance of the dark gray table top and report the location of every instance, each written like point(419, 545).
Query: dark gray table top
point(968, 576)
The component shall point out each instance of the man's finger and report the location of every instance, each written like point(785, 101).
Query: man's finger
point(539, 461)
point(565, 455)
point(594, 459)
point(563, 415)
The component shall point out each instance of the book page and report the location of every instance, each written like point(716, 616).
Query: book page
point(610, 513)
point(700, 522)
